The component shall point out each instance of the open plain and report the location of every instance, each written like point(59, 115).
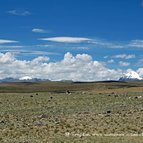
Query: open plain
point(100, 112)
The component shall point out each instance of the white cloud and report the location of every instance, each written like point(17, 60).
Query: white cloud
point(136, 43)
point(44, 45)
point(80, 48)
point(19, 12)
point(124, 56)
point(124, 64)
point(67, 39)
point(92, 42)
point(118, 44)
point(111, 61)
point(38, 52)
point(78, 68)
point(11, 47)
point(6, 58)
point(3, 41)
point(107, 44)
point(40, 59)
point(39, 30)
point(140, 72)
point(21, 52)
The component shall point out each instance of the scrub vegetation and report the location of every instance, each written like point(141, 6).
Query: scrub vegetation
point(101, 112)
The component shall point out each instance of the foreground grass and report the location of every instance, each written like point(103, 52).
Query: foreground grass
point(89, 116)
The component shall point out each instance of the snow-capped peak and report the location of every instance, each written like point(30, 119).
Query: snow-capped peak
point(131, 75)
point(25, 78)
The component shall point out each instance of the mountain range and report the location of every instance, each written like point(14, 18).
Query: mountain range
point(23, 79)
point(128, 76)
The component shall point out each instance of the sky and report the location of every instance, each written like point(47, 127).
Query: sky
point(80, 40)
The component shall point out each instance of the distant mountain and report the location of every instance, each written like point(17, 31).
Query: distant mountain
point(23, 79)
point(9, 79)
point(130, 76)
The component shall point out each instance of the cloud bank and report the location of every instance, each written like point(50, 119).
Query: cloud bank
point(77, 68)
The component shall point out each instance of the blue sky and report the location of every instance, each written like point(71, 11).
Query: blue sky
point(108, 31)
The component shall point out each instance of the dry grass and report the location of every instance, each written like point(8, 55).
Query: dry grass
point(50, 115)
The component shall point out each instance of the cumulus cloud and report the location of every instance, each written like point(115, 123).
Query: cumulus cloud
point(19, 12)
point(39, 30)
point(6, 58)
point(78, 68)
point(3, 41)
point(140, 72)
point(67, 39)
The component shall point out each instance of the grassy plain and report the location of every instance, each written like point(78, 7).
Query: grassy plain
point(100, 112)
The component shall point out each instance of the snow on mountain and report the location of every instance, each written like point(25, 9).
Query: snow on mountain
point(25, 78)
point(130, 75)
